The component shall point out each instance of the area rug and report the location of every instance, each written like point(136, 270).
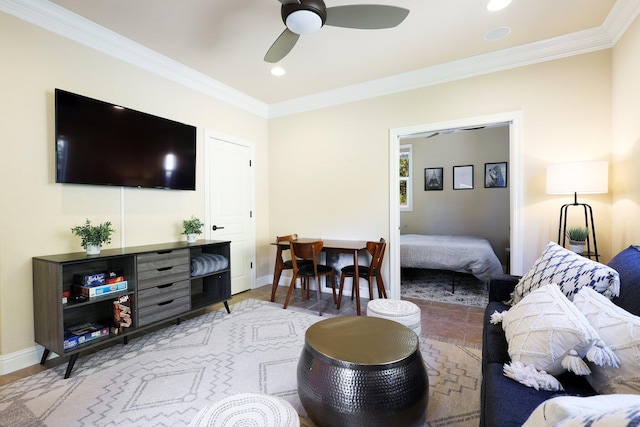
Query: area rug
point(165, 377)
point(435, 285)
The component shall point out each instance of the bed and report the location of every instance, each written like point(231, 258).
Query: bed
point(461, 254)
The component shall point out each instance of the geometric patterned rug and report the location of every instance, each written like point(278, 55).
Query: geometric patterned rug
point(436, 285)
point(165, 377)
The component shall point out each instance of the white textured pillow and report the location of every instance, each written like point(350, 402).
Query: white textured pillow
point(569, 271)
point(547, 332)
point(558, 409)
point(621, 331)
point(627, 416)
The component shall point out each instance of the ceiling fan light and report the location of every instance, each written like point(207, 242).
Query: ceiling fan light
point(495, 5)
point(303, 22)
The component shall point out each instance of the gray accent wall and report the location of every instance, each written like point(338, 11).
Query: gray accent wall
point(482, 212)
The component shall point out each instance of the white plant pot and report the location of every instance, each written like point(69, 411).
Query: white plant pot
point(191, 238)
point(577, 247)
point(93, 249)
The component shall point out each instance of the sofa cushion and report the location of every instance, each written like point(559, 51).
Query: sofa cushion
point(554, 411)
point(627, 264)
point(621, 331)
point(569, 271)
point(494, 343)
point(507, 403)
point(547, 332)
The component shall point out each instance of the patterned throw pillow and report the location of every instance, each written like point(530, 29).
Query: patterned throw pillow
point(621, 331)
point(575, 409)
point(629, 416)
point(547, 335)
point(569, 271)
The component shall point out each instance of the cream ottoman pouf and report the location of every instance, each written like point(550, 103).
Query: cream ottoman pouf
point(401, 311)
point(248, 409)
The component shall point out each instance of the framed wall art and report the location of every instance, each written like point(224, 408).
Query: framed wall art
point(433, 179)
point(463, 177)
point(495, 175)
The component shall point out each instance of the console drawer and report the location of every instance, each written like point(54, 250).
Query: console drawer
point(163, 310)
point(159, 268)
point(162, 293)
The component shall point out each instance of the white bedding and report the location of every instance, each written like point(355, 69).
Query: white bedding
point(464, 254)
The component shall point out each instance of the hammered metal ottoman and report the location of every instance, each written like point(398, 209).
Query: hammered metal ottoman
point(357, 371)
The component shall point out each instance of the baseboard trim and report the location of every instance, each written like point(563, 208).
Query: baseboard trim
point(20, 359)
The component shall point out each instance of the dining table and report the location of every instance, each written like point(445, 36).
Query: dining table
point(329, 246)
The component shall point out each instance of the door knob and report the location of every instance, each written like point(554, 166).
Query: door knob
point(215, 227)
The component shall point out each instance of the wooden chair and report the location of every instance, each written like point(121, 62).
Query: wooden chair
point(281, 264)
point(376, 250)
point(309, 252)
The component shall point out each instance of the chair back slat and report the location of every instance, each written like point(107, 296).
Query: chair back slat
point(376, 249)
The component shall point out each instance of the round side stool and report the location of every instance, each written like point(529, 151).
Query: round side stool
point(360, 371)
point(248, 410)
point(401, 311)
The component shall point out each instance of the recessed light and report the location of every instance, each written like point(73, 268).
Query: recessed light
point(278, 71)
point(497, 33)
point(495, 5)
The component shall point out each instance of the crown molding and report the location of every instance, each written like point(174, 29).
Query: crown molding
point(54, 18)
point(58, 20)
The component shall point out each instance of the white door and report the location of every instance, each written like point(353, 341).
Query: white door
point(230, 202)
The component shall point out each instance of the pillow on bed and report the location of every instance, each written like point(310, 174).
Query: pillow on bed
point(621, 331)
point(547, 335)
point(569, 271)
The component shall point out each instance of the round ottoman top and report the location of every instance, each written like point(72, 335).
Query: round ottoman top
point(248, 410)
point(393, 307)
point(362, 340)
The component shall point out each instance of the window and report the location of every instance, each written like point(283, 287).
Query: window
point(406, 182)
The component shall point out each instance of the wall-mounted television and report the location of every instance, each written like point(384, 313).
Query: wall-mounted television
point(105, 144)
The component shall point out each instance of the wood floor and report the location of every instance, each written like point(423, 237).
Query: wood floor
point(446, 320)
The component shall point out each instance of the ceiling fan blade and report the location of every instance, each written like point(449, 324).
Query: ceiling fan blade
point(289, 1)
point(282, 46)
point(366, 16)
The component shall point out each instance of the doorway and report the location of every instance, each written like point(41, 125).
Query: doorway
point(230, 203)
point(514, 120)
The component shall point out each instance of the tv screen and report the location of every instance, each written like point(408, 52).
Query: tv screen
point(106, 144)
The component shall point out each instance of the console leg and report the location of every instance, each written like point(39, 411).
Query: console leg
point(72, 361)
point(226, 305)
point(45, 354)
point(125, 340)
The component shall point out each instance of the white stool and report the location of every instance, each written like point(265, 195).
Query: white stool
point(401, 311)
point(248, 409)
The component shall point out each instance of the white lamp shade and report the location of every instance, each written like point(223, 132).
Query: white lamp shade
point(578, 177)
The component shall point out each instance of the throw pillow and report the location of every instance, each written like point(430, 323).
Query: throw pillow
point(558, 409)
point(628, 416)
point(621, 331)
point(627, 264)
point(546, 335)
point(569, 271)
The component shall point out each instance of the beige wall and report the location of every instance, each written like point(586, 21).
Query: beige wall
point(329, 168)
point(36, 214)
point(447, 212)
point(625, 182)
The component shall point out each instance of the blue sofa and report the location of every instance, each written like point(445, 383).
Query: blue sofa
point(505, 402)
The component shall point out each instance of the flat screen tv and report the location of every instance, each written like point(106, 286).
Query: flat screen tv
point(105, 144)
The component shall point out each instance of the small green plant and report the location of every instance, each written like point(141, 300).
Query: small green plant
point(192, 226)
point(578, 234)
point(94, 235)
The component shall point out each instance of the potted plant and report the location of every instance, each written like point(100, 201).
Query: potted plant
point(93, 236)
point(577, 238)
point(192, 227)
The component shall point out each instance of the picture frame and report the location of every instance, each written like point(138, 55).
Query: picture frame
point(463, 177)
point(433, 179)
point(495, 175)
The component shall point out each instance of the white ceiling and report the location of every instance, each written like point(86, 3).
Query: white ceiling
point(227, 39)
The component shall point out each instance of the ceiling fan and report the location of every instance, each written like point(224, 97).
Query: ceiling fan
point(308, 16)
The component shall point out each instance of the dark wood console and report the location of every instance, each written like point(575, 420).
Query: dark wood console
point(159, 285)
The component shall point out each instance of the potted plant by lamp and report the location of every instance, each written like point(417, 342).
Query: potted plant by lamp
point(192, 227)
point(93, 236)
point(577, 238)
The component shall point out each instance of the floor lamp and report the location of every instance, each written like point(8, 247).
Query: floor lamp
point(573, 178)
